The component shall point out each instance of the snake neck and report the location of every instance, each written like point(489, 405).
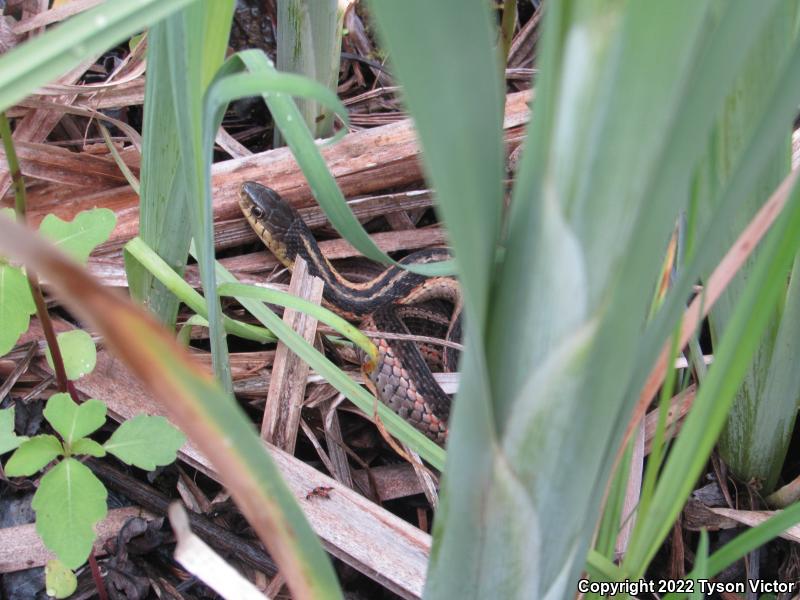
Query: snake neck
point(352, 299)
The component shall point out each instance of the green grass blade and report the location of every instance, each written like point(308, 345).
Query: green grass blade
point(151, 262)
point(610, 523)
point(162, 220)
point(700, 570)
point(321, 314)
point(774, 421)
point(189, 77)
point(745, 543)
point(698, 434)
point(740, 446)
point(323, 185)
point(47, 56)
point(396, 425)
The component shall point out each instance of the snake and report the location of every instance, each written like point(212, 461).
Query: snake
point(401, 377)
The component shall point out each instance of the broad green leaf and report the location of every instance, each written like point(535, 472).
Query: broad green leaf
point(759, 426)
point(69, 502)
point(78, 352)
point(309, 42)
point(45, 57)
point(16, 306)
point(73, 421)
point(87, 446)
point(145, 442)
point(451, 50)
point(211, 417)
point(8, 439)
point(59, 580)
point(83, 234)
point(33, 455)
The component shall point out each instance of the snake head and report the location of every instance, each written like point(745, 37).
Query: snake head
point(271, 217)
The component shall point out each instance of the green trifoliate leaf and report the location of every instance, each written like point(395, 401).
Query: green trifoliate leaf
point(60, 581)
point(16, 306)
point(71, 421)
point(87, 446)
point(83, 234)
point(145, 442)
point(8, 439)
point(78, 351)
point(68, 503)
point(33, 455)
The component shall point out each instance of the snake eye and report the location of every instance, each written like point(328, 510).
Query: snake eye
point(257, 212)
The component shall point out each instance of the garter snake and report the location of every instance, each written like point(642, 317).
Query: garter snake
point(401, 376)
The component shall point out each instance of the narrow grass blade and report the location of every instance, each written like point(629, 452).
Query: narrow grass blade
point(745, 543)
point(298, 138)
point(151, 262)
point(700, 570)
point(189, 78)
point(208, 415)
point(709, 410)
point(365, 401)
point(323, 315)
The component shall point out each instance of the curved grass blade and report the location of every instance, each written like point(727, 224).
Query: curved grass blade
point(396, 425)
point(175, 284)
point(321, 314)
point(709, 410)
point(210, 416)
point(305, 150)
point(47, 56)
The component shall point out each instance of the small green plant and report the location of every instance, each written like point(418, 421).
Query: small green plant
point(70, 498)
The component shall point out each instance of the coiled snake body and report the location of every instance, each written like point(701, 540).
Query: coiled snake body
point(401, 376)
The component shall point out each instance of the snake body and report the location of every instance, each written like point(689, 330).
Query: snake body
point(401, 376)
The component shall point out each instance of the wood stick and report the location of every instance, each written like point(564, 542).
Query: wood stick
point(287, 385)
